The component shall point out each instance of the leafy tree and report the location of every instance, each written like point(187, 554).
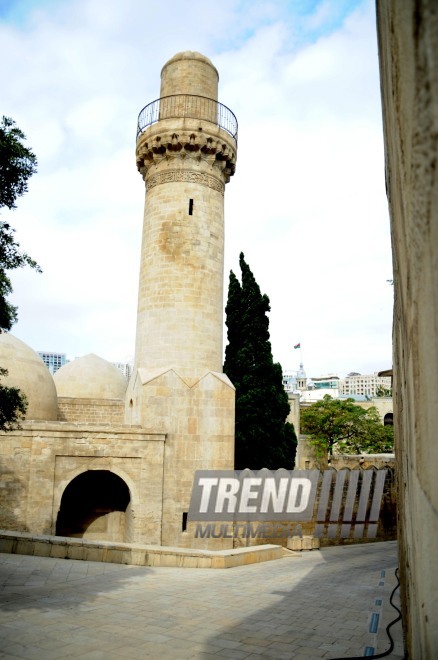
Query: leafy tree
point(263, 437)
point(341, 425)
point(17, 164)
point(383, 391)
point(13, 406)
point(10, 258)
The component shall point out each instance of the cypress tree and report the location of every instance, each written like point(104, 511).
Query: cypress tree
point(263, 437)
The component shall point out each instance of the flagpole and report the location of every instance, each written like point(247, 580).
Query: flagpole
point(301, 354)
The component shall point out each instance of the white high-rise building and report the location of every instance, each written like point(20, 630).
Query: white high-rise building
point(125, 368)
point(53, 361)
point(367, 385)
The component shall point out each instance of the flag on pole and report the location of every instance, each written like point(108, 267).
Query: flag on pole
point(297, 345)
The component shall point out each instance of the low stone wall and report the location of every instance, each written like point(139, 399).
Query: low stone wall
point(139, 555)
point(363, 461)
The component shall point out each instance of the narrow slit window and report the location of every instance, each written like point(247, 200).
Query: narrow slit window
point(184, 521)
point(190, 206)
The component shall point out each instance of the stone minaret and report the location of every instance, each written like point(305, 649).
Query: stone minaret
point(186, 153)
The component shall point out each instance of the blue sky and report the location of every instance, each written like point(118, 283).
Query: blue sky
point(307, 205)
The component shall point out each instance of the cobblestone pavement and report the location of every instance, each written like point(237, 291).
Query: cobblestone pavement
point(332, 603)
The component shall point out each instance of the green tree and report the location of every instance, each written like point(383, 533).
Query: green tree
point(17, 164)
point(263, 437)
point(342, 426)
point(383, 391)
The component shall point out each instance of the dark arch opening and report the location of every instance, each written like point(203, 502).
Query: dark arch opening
point(94, 505)
point(388, 419)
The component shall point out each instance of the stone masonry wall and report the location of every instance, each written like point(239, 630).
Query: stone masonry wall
point(408, 54)
point(91, 411)
point(38, 462)
point(198, 419)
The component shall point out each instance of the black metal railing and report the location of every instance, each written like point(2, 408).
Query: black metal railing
point(188, 105)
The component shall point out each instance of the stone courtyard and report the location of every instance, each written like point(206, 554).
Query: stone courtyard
point(332, 603)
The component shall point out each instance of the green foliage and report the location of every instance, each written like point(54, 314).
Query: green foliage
point(10, 258)
point(13, 406)
point(383, 391)
point(17, 164)
point(341, 425)
point(263, 437)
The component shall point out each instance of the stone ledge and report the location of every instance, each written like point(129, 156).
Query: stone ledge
point(61, 429)
point(22, 543)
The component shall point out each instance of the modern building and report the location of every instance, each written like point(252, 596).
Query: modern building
point(361, 384)
point(328, 382)
point(290, 380)
point(53, 361)
point(125, 368)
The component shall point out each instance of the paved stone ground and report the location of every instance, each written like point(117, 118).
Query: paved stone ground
point(318, 604)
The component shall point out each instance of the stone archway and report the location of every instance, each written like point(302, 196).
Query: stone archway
point(95, 505)
point(388, 420)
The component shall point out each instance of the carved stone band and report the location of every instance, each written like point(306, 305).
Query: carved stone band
point(185, 176)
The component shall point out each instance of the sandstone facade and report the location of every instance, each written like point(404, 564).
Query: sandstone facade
point(408, 54)
point(116, 461)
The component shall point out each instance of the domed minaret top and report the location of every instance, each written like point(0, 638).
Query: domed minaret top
point(188, 98)
point(189, 72)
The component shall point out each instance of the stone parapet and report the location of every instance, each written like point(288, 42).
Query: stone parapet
point(134, 554)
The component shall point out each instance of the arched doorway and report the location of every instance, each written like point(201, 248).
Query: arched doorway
point(388, 419)
point(94, 506)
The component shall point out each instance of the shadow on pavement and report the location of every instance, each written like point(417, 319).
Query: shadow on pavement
point(325, 613)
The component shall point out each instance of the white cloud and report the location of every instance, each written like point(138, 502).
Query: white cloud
point(306, 206)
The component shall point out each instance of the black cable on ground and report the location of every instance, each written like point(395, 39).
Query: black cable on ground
point(391, 641)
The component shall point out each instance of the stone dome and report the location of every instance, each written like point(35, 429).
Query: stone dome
point(90, 377)
point(27, 371)
point(190, 55)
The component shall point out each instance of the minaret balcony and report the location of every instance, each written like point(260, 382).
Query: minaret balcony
point(188, 106)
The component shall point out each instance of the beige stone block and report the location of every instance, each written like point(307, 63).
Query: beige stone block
point(59, 549)
point(204, 562)
point(307, 543)
point(94, 553)
point(76, 552)
point(190, 562)
point(6, 545)
point(41, 548)
point(217, 562)
point(24, 547)
point(169, 560)
point(114, 556)
point(154, 559)
point(294, 543)
point(134, 557)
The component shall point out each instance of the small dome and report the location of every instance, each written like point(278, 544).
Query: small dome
point(27, 371)
point(190, 55)
point(90, 377)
